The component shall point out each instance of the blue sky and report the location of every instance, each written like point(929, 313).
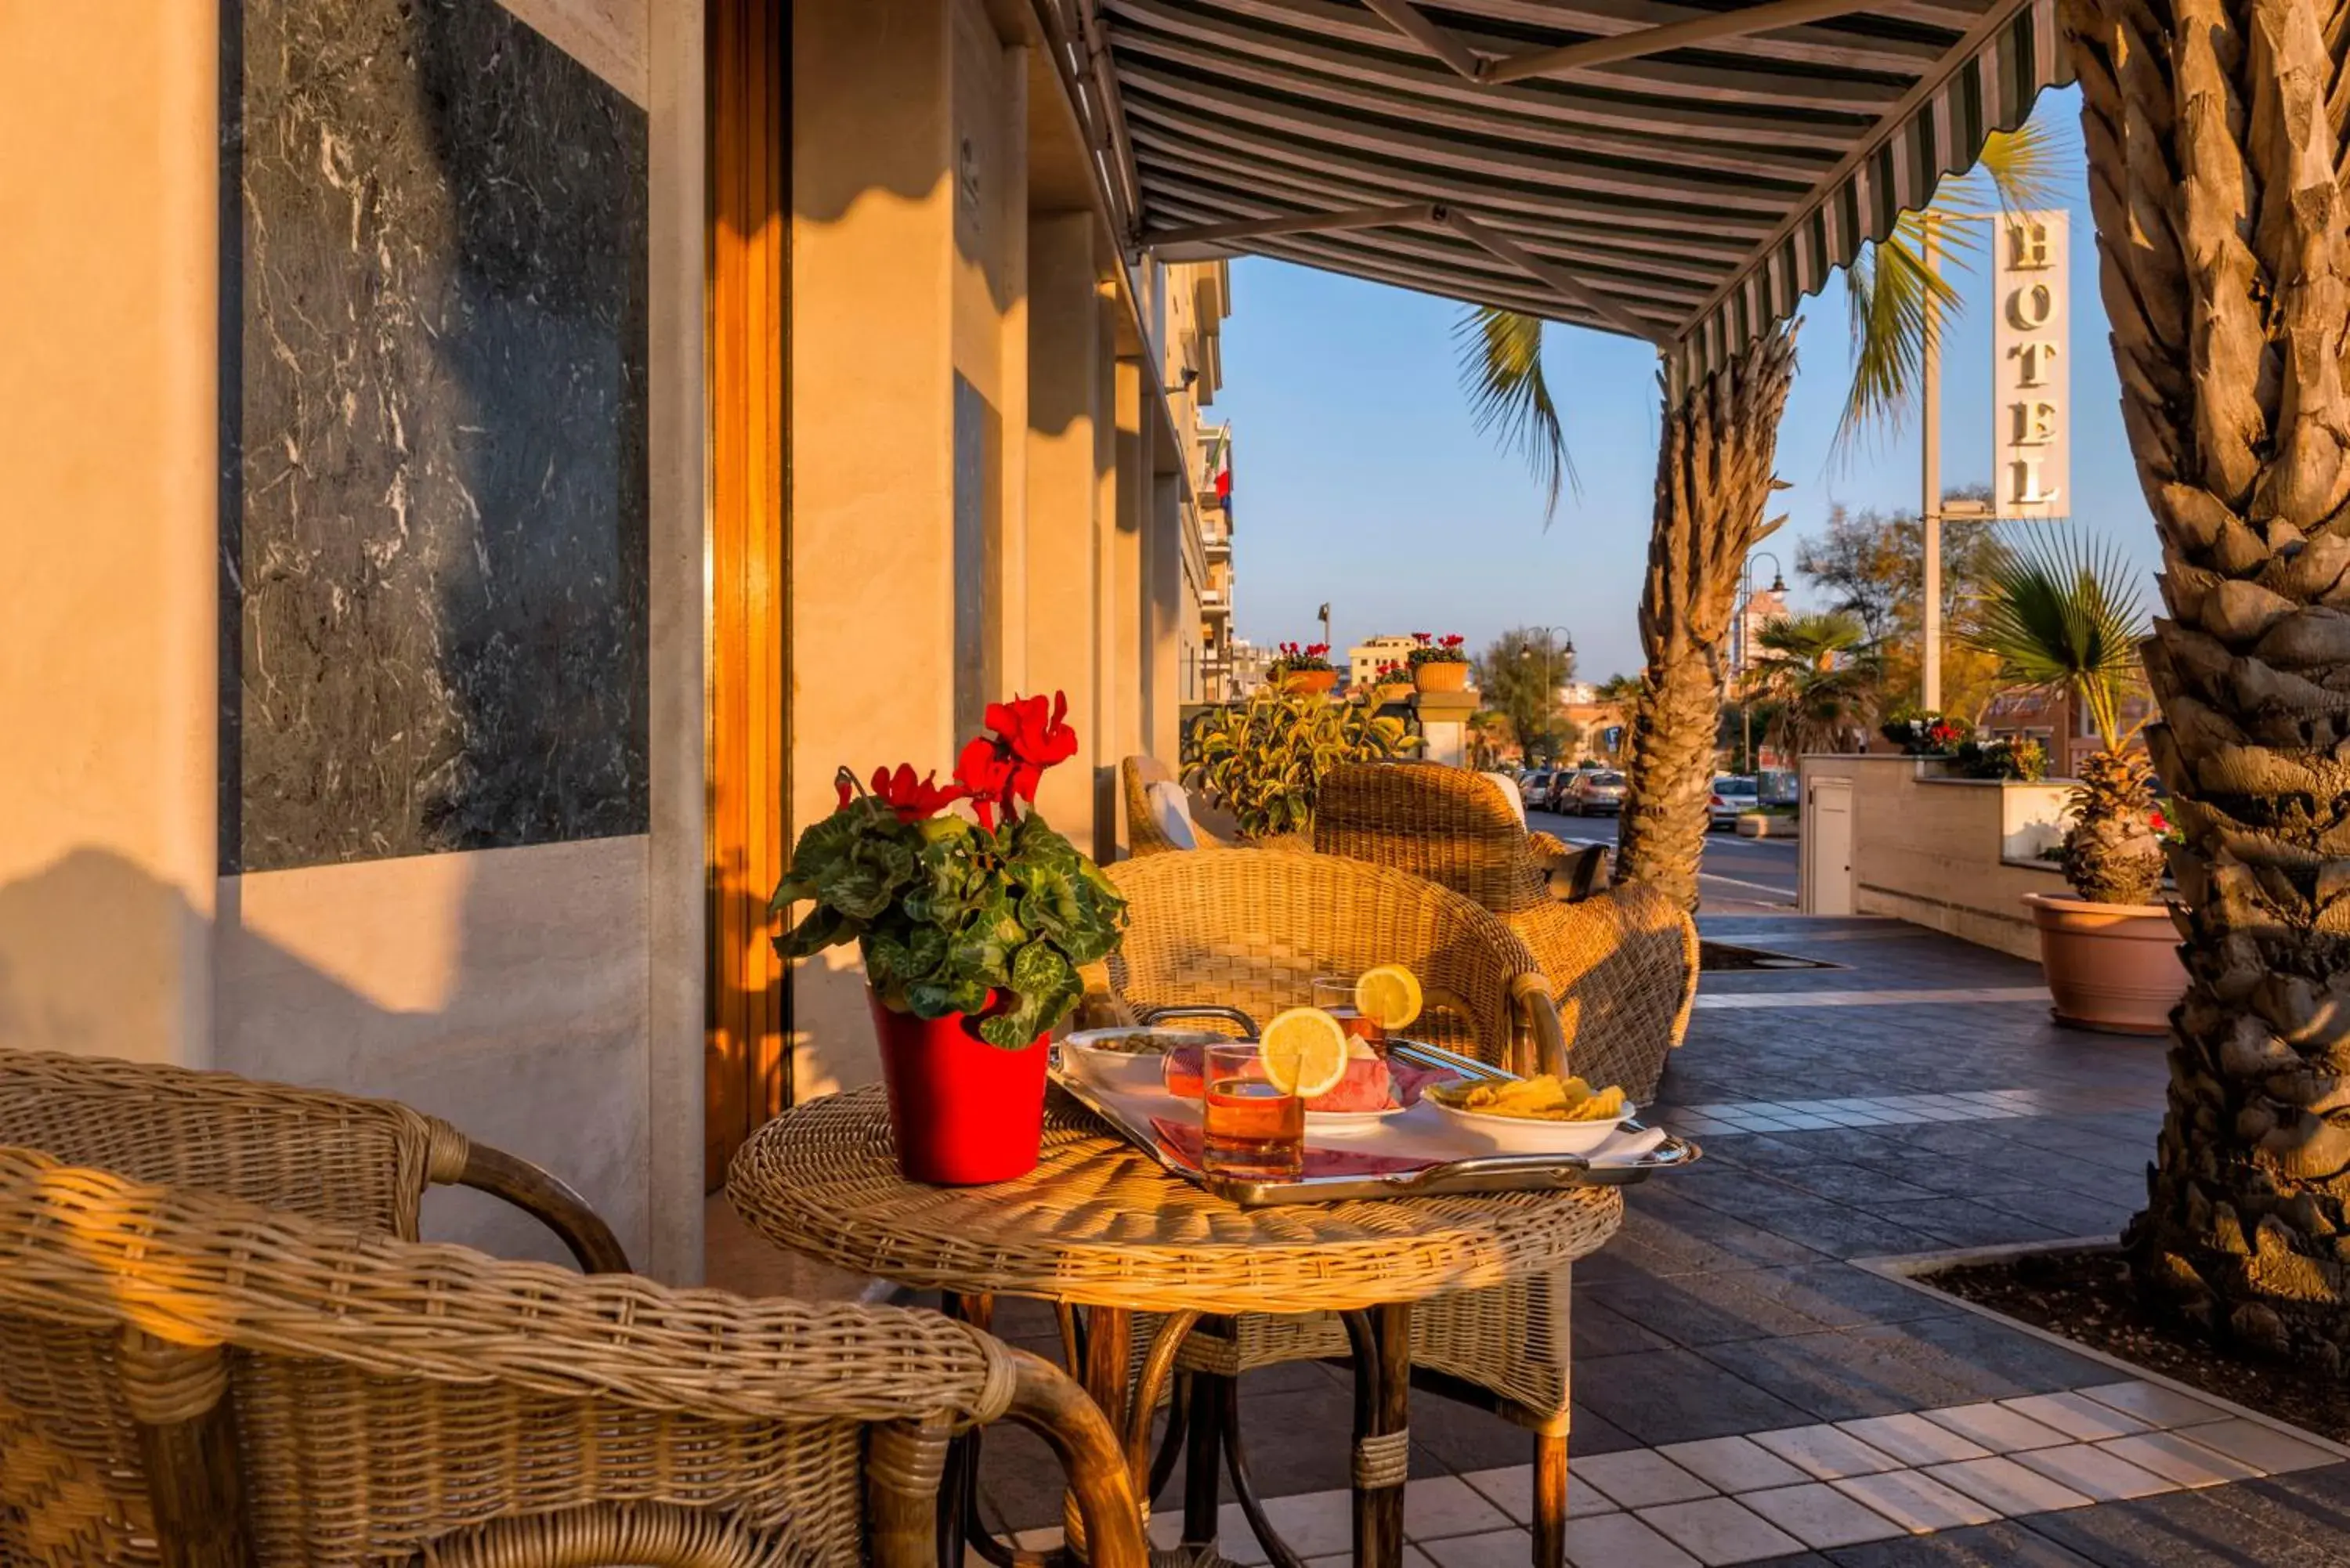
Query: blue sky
point(1358, 478)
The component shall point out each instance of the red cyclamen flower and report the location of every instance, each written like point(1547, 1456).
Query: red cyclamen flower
point(1031, 735)
point(913, 799)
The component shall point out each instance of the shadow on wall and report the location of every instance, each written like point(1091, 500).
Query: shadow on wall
point(479, 1022)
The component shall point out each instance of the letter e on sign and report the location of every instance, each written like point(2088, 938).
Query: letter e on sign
point(2031, 416)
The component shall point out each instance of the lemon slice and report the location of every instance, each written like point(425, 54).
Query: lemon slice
point(1304, 1053)
point(1388, 995)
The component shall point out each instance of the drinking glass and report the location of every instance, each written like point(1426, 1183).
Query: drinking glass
point(1249, 1128)
point(1334, 994)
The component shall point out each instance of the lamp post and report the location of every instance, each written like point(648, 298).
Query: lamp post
point(1550, 662)
point(1746, 649)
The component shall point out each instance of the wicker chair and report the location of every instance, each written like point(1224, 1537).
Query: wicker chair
point(1623, 963)
point(1249, 931)
point(329, 1157)
point(199, 1383)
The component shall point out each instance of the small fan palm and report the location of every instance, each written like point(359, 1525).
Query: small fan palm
point(1822, 676)
point(2063, 617)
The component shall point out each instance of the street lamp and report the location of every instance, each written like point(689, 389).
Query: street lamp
point(1550, 660)
point(1746, 651)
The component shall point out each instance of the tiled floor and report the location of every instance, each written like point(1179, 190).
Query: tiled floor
point(1744, 1393)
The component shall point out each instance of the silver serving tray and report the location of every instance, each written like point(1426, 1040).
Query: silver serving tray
point(1481, 1173)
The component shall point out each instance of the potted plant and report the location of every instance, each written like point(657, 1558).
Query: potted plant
point(1922, 732)
point(2061, 618)
point(1390, 683)
point(972, 929)
point(1304, 668)
point(1263, 760)
point(1439, 664)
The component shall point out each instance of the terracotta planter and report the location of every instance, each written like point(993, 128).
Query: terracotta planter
point(1388, 691)
point(964, 1112)
point(2110, 967)
point(1450, 675)
point(1309, 683)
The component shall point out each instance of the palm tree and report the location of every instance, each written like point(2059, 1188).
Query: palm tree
point(2215, 144)
point(1823, 677)
point(2061, 617)
point(1714, 481)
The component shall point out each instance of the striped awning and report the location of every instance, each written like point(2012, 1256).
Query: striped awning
point(1668, 171)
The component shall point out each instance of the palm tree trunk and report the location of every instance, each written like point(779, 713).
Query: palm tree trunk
point(1713, 480)
point(2215, 163)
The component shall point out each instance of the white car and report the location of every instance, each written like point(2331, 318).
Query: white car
point(1732, 795)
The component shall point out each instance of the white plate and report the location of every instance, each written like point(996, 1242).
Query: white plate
point(1126, 1071)
point(1524, 1134)
point(1350, 1121)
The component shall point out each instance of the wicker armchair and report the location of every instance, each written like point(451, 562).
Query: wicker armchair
point(329, 1157)
point(1249, 931)
point(1623, 963)
point(207, 1384)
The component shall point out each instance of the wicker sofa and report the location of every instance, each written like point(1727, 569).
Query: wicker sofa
point(1623, 963)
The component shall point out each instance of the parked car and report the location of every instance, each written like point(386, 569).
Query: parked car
point(1732, 795)
point(1562, 784)
point(1597, 795)
point(1534, 788)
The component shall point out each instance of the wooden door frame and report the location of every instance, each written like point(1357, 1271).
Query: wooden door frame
point(747, 1031)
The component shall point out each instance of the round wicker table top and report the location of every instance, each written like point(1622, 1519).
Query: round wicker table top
point(1096, 1223)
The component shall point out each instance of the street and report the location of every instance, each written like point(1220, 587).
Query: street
point(1737, 874)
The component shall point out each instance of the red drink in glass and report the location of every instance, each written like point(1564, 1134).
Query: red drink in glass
point(1249, 1128)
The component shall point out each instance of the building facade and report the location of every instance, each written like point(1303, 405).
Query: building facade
point(1362, 660)
point(479, 467)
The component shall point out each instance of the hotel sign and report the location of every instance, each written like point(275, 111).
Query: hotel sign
point(2031, 428)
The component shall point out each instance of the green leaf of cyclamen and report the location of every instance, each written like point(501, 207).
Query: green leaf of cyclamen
point(982, 949)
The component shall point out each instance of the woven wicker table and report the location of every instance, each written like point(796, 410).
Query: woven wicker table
point(1098, 1226)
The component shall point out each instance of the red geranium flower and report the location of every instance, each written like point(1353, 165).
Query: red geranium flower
point(1454, 640)
point(2160, 822)
point(913, 799)
point(1423, 637)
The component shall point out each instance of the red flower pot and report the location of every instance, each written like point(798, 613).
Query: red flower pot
point(964, 1112)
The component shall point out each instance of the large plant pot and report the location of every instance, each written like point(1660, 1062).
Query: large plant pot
point(1447, 675)
point(2111, 967)
point(964, 1112)
point(1309, 683)
point(1388, 691)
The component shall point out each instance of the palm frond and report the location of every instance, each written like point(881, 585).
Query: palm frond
point(1899, 300)
point(2062, 615)
point(1502, 373)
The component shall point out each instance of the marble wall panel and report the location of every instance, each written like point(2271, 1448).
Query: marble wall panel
point(434, 411)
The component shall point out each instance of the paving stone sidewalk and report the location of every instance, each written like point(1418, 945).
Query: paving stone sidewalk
point(1744, 1393)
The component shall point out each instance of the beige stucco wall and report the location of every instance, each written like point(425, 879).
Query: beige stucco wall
point(1930, 850)
point(547, 1000)
point(504, 991)
point(108, 262)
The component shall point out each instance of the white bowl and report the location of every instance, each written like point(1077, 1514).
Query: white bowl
point(1526, 1135)
point(1126, 1071)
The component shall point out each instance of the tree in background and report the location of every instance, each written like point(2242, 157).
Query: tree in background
point(1821, 676)
point(1520, 672)
point(1869, 564)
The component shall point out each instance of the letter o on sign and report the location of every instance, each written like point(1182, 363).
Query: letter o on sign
point(2030, 305)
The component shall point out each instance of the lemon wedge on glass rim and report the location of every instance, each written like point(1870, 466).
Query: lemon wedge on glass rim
point(1388, 995)
point(1303, 1051)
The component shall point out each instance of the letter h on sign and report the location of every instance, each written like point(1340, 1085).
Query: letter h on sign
point(2031, 428)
